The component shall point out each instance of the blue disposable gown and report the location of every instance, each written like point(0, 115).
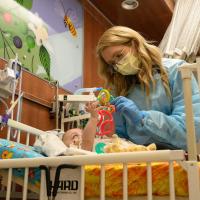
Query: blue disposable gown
point(164, 123)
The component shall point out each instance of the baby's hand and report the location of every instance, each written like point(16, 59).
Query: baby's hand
point(92, 108)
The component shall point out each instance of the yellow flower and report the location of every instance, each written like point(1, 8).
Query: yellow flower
point(6, 154)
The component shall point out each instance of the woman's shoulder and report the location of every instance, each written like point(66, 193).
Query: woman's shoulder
point(170, 63)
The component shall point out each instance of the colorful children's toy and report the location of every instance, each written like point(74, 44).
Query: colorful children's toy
point(106, 123)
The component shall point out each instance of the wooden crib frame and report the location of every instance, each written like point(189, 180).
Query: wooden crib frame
point(191, 165)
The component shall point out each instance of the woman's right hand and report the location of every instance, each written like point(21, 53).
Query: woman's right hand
point(127, 108)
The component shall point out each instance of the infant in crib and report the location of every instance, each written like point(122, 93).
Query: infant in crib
point(85, 139)
point(50, 144)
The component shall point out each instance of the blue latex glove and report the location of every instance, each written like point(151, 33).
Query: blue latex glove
point(128, 110)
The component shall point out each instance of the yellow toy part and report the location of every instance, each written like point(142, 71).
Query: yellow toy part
point(104, 97)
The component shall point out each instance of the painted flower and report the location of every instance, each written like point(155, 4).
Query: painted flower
point(40, 33)
point(6, 154)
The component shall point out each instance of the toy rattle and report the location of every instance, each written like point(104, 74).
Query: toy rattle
point(105, 124)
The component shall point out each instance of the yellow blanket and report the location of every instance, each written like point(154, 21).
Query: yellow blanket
point(137, 180)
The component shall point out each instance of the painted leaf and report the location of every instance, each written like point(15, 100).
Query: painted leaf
point(25, 3)
point(45, 59)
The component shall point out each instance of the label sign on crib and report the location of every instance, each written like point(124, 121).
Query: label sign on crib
point(69, 184)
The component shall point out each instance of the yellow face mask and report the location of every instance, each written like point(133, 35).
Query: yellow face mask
point(128, 65)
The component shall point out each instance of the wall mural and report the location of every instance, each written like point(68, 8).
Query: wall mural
point(47, 36)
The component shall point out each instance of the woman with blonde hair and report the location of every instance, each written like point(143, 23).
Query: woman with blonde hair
point(149, 94)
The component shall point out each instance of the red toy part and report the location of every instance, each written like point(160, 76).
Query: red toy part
point(105, 122)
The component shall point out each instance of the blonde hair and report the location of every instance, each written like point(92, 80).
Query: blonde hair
point(149, 55)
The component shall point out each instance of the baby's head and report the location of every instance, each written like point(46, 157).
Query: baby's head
point(73, 137)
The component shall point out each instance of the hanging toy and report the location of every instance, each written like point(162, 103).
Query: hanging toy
point(105, 125)
point(104, 99)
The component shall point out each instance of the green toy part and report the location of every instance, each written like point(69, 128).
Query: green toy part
point(99, 148)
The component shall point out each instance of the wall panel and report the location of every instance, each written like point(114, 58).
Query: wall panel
point(94, 25)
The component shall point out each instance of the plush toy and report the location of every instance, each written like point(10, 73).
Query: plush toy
point(117, 144)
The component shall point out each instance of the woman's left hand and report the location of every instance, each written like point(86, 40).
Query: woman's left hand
point(128, 109)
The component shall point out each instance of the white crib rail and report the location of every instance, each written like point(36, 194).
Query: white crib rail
point(186, 73)
point(81, 160)
point(192, 165)
point(102, 160)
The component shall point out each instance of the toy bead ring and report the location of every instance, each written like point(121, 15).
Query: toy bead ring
point(104, 96)
point(105, 124)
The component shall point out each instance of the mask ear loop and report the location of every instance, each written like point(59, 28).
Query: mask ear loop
point(134, 47)
point(111, 69)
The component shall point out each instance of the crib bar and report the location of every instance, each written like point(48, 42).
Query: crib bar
point(43, 193)
point(25, 188)
point(62, 117)
point(24, 127)
point(125, 182)
point(193, 180)
point(18, 135)
point(68, 126)
point(82, 192)
point(8, 133)
point(9, 184)
point(102, 183)
point(127, 157)
point(78, 123)
point(13, 188)
point(171, 181)
point(186, 74)
point(149, 181)
point(75, 118)
point(198, 75)
point(27, 138)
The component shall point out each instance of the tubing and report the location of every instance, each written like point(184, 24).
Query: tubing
point(90, 90)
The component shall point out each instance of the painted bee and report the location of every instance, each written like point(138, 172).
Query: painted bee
point(68, 22)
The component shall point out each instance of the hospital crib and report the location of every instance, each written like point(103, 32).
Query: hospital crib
point(79, 162)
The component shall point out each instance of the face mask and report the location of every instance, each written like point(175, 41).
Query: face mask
point(128, 65)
